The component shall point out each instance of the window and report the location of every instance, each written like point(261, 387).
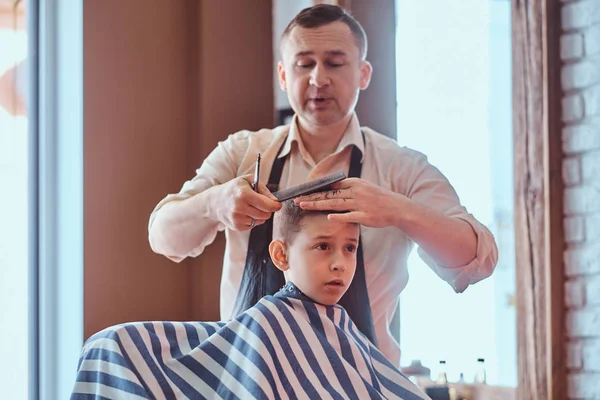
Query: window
point(14, 270)
point(41, 199)
point(454, 105)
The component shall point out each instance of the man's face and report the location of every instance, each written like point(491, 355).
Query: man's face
point(322, 258)
point(322, 72)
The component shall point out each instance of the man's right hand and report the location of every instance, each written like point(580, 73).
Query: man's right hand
point(237, 206)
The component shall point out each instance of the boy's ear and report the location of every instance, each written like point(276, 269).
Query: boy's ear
point(278, 250)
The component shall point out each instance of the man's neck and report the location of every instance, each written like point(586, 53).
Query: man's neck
point(321, 141)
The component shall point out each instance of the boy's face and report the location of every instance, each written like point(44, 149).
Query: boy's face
point(320, 259)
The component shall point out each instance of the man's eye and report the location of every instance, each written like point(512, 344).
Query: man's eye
point(304, 65)
point(335, 65)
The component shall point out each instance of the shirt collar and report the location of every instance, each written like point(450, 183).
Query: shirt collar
point(352, 137)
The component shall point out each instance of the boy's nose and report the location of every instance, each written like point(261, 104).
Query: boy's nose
point(337, 267)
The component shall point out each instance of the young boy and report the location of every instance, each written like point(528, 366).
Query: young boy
point(316, 255)
point(297, 343)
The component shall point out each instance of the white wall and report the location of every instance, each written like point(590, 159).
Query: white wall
point(580, 51)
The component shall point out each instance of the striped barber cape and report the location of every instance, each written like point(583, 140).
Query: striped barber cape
point(285, 347)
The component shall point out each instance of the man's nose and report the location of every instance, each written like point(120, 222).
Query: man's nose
point(319, 77)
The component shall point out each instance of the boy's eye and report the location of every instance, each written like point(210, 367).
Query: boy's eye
point(351, 248)
point(322, 246)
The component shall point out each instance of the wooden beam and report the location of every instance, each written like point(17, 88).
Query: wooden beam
point(539, 239)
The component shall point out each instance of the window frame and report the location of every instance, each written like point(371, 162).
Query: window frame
point(56, 250)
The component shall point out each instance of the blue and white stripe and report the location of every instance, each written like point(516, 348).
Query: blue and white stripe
point(282, 348)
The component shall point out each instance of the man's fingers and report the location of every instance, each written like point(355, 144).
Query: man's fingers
point(349, 217)
point(344, 184)
point(264, 203)
point(327, 195)
point(262, 189)
point(244, 223)
point(259, 222)
point(263, 200)
point(331, 204)
point(255, 213)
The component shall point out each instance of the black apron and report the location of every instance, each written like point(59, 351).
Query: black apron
point(261, 277)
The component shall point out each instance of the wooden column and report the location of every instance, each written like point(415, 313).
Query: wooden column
point(230, 99)
point(163, 84)
point(538, 199)
point(136, 86)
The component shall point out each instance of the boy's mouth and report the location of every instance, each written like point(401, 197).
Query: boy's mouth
point(336, 283)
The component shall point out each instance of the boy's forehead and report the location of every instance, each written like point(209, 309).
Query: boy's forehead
point(319, 224)
point(315, 219)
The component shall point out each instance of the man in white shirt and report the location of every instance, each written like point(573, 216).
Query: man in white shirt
point(400, 199)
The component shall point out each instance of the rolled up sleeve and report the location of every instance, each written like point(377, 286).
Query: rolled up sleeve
point(481, 267)
point(428, 186)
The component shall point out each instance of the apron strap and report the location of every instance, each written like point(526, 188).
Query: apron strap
point(356, 299)
point(261, 277)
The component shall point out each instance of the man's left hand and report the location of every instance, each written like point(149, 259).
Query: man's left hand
point(368, 204)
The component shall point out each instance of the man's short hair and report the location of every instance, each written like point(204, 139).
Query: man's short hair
point(323, 14)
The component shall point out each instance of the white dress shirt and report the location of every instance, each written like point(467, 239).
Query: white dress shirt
point(386, 250)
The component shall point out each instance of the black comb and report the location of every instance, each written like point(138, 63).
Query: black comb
point(313, 186)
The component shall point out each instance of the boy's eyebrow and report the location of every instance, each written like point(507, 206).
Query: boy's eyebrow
point(323, 237)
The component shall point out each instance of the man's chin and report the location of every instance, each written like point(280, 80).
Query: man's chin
point(323, 119)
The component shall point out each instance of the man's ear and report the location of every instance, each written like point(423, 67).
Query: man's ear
point(366, 70)
point(278, 252)
point(281, 76)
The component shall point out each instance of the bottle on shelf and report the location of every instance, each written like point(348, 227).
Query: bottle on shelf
point(442, 375)
point(480, 375)
point(417, 373)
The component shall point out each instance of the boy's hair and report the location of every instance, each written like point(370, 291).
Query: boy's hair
point(287, 222)
point(323, 14)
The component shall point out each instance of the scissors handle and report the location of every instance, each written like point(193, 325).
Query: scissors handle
point(256, 174)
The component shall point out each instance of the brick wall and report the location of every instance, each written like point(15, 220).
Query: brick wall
point(580, 52)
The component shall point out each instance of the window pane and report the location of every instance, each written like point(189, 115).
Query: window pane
point(13, 202)
point(454, 105)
